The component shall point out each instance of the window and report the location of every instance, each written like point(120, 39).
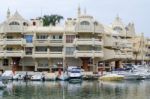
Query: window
point(70, 50)
point(42, 36)
point(34, 23)
point(41, 49)
point(28, 38)
point(14, 23)
point(5, 62)
point(60, 36)
point(28, 51)
point(70, 38)
point(90, 61)
point(118, 29)
point(43, 63)
point(9, 37)
point(25, 24)
point(98, 48)
point(9, 48)
point(53, 37)
point(57, 36)
point(56, 49)
point(84, 23)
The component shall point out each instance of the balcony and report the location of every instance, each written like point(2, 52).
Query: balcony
point(98, 54)
point(14, 53)
point(41, 42)
point(1, 41)
point(119, 44)
point(48, 42)
point(48, 54)
point(11, 53)
point(56, 54)
point(92, 41)
point(19, 41)
point(56, 42)
point(112, 54)
point(40, 54)
point(84, 28)
point(6, 41)
point(14, 28)
point(2, 53)
point(88, 53)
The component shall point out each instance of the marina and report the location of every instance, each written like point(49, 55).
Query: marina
point(46, 55)
point(84, 90)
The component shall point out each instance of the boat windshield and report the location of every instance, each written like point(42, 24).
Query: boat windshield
point(75, 70)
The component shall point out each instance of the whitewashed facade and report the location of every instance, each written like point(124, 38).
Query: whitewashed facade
point(82, 41)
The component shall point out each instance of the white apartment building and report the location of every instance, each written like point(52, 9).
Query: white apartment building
point(83, 41)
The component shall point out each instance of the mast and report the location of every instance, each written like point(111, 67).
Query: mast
point(142, 51)
point(138, 51)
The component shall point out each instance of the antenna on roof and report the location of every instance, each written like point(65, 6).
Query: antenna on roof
point(41, 12)
point(85, 11)
point(79, 10)
point(8, 13)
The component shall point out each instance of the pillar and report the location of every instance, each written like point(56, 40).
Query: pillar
point(49, 64)
point(36, 64)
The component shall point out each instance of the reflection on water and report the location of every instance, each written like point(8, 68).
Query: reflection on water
point(84, 90)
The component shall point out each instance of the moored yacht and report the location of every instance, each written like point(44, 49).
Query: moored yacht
point(74, 73)
point(112, 77)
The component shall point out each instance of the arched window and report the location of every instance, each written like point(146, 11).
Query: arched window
point(84, 23)
point(34, 23)
point(14, 23)
point(118, 29)
point(25, 24)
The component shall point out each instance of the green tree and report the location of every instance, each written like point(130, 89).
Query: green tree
point(51, 19)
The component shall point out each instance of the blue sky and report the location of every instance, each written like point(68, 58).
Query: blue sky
point(104, 11)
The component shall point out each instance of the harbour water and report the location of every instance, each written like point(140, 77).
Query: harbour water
point(83, 90)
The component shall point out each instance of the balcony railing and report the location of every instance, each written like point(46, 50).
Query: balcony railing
point(89, 28)
point(6, 53)
point(18, 41)
point(56, 42)
point(50, 42)
point(56, 54)
point(2, 53)
point(84, 28)
point(124, 55)
point(41, 41)
point(88, 53)
point(48, 54)
point(14, 28)
point(41, 54)
point(92, 41)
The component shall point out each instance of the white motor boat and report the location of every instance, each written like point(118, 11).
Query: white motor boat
point(36, 77)
point(8, 75)
point(18, 76)
point(2, 86)
point(132, 75)
point(74, 72)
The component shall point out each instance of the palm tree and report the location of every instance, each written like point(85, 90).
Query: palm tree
point(51, 19)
